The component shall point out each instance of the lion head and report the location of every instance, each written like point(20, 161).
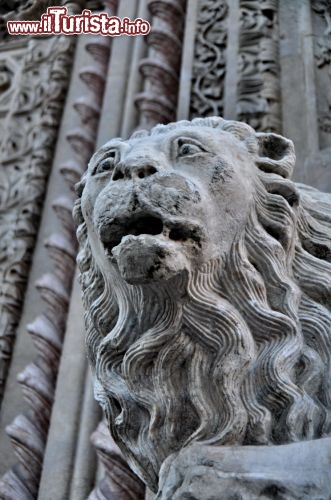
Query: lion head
point(206, 276)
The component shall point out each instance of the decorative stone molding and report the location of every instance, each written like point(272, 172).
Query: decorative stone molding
point(26, 151)
point(259, 72)
point(206, 283)
point(157, 103)
point(209, 66)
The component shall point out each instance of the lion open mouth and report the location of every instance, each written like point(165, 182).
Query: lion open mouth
point(113, 233)
point(144, 224)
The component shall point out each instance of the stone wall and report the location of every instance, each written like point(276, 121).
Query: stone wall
point(266, 62)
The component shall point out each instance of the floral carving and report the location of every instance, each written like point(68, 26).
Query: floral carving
point(209, 60)
point(258, 84)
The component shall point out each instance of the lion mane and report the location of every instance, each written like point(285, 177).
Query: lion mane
point(237, 352)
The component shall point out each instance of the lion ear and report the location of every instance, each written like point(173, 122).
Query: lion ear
point(275, 154)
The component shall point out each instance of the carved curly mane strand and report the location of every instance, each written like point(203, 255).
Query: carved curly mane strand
point(250, 341)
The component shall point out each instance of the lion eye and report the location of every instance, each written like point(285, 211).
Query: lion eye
point(188, 149)
point(106, 165)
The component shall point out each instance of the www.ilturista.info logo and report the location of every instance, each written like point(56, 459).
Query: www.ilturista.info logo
point(57, 22)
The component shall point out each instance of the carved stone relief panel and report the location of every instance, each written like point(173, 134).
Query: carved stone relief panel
point(207, 91)
point(258, 82)
point(29, 134)
point(258, 74)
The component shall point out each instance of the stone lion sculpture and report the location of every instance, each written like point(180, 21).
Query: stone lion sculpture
point(206, 276)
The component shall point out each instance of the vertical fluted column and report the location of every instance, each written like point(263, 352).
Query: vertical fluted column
point(119, 481)
point(158, 101)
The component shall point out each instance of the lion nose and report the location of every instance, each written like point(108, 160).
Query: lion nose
point(136, 170)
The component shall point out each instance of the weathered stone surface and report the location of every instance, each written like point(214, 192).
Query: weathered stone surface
point(206, 277)
point(292, 472)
